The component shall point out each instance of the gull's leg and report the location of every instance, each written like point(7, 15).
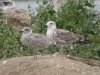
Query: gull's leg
point(61, 50)
point(35, 57)
point(72, 47)
point(34, 54)
point(71, 50)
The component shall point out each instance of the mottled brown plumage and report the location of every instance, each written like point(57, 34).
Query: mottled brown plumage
point(62, 36)
point(69, 37)
point(18, 18)
point(34, 41)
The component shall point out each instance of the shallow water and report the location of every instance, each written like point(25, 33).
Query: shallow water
point(24, 4)
point(97, 5)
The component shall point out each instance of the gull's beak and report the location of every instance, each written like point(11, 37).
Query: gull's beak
point(46, 26)
point(20, 31)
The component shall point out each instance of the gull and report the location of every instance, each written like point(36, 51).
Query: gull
point(61, 36)
point(7, 4)
point(18, 18)
point(34, 41)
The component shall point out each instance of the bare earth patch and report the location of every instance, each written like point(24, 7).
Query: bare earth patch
point(46, 65)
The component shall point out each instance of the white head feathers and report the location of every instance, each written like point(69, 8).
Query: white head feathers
point(51, 25)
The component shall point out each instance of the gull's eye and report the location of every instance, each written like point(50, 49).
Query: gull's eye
point(26, 29)
point(51, 23)
point(1, 4)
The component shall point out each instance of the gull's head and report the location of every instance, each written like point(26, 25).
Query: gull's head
point(51, 25)
point(26, 30)
point(9, 4)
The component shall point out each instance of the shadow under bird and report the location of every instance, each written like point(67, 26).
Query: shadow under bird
point(34, 41)
point(63, 37)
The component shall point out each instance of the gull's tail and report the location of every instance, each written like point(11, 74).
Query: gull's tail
point(83, 40)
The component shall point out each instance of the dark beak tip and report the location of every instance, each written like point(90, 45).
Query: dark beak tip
point(46, 26)
point(20, 31)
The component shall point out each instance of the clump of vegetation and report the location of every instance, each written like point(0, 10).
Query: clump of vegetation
point(77, 16)
point(74, 16)
point(10, 41)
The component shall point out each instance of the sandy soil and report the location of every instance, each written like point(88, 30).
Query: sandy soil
point(46, 65)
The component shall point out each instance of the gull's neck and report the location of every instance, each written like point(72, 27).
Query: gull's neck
point(26, 34)
point(51, 33)
point(51, 29)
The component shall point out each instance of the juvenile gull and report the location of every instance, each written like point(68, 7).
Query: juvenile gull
point(18, 18)
point(7, 4)
point(61, 36)
point(34, 41)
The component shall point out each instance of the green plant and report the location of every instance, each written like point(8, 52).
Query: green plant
point(77, 16)
point(74, 16)
point(10, 41)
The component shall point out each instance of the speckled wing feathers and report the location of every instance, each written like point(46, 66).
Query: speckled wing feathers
point(66, 36)
point(37, 41)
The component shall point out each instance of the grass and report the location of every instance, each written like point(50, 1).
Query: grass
point(74, 16)
point(10, 45)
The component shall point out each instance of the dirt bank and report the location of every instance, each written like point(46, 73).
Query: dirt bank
point(46, 65)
